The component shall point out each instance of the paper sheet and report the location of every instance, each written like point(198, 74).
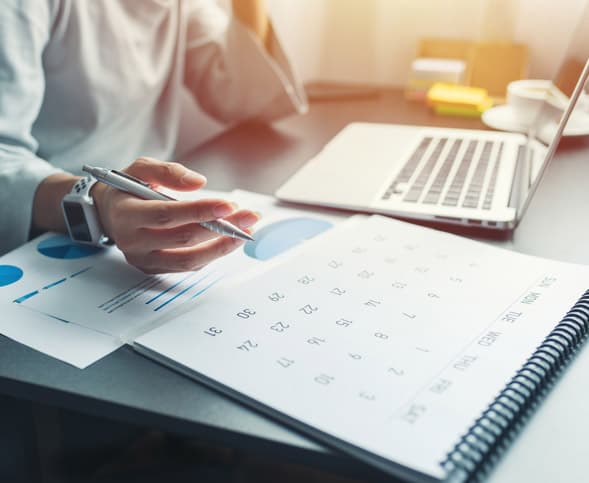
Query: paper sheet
point(96, 290)
point(69, 343)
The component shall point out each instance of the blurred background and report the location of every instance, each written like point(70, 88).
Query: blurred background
point(373, 42)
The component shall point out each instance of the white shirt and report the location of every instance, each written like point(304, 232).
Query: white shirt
point(100, 82)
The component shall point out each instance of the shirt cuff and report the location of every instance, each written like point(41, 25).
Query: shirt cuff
point(20, 175)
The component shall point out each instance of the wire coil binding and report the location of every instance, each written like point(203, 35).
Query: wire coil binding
point(485, 441)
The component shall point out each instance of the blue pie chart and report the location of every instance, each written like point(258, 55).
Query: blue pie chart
point(279, 237)
point(9, 274)
point(60, 246)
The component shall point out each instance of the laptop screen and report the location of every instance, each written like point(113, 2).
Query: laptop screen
point(565, 111)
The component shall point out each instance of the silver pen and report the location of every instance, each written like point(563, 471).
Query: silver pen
point(137, 187)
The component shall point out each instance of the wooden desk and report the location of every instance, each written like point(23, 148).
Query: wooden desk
point(125, 386)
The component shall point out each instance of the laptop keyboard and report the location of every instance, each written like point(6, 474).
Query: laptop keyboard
point(446, 189)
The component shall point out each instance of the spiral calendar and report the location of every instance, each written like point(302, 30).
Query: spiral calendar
point(412, 349)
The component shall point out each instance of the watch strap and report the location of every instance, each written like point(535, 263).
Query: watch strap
point(83, 186)
point(80, 193)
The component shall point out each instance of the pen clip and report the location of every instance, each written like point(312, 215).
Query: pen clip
point(132, 178)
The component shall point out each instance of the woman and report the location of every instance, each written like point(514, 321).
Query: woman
point(101, 83)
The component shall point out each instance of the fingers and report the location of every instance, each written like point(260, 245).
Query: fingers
point(163, 173)
point(244, 218)
point(166, 236)
point(169, 214)
point(184, 260)
point(185, 236)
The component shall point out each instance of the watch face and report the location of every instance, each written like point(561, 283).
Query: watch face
point(77, 221)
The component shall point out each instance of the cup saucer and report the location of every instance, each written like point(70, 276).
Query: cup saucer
point(503, 118)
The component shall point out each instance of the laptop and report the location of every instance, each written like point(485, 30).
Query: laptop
point(465, 177)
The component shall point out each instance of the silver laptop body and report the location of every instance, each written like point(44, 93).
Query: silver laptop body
point(456, 176)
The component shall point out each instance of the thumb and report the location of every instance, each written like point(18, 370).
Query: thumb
point(163, 173)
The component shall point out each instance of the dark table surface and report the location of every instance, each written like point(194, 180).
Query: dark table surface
point(126, 386)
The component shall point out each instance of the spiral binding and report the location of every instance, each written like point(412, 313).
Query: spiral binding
point(478, 450)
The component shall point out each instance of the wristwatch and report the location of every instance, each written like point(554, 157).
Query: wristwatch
point(81, 217)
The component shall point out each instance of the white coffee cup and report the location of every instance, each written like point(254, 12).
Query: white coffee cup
point(526, 97)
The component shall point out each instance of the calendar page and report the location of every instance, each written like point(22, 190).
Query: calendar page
point(380, 337)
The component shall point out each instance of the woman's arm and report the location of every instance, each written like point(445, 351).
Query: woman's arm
point(236, 67)
point(154, 236)
point(24, 34)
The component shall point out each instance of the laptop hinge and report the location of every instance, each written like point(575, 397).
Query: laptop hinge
point(522, 167)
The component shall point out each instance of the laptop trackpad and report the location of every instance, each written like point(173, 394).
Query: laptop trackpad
point(353, 166)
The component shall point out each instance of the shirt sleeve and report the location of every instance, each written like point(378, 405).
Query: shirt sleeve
point(232, 75)
point(23, 36)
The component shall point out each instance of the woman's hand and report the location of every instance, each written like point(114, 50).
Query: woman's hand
point(164, 236)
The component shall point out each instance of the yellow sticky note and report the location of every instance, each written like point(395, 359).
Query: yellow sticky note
point(464, 96)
